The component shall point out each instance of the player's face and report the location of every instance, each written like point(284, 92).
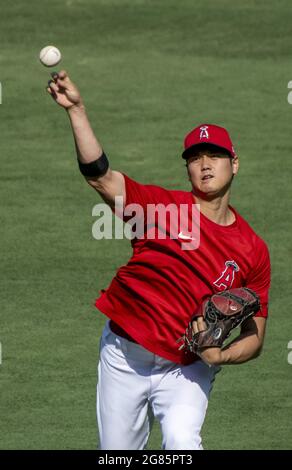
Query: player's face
point(211, 173)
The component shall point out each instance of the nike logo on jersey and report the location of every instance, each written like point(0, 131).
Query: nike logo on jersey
point(182, 236)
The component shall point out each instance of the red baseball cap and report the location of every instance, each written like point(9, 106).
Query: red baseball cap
point(208, 134)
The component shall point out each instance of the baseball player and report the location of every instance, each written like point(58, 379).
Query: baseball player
point(142, 373)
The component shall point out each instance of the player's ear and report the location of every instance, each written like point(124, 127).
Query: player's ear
point(235, 165)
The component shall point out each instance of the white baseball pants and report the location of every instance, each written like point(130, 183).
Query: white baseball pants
point(134, 385)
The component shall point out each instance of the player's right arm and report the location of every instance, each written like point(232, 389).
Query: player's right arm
point(66, 94)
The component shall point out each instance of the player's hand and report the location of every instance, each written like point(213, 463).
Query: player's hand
point(211, 356)
point(63, 91)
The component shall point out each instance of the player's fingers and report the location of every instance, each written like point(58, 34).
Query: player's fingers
point(53, 86)
point(59, 83)
point(53, 95)
point(63, 79)
point(62, 74)
point(195, 327)
point(51, 91)
point(55, 76)
point(201, 324)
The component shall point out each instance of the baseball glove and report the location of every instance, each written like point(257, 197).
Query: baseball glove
point(222, 313)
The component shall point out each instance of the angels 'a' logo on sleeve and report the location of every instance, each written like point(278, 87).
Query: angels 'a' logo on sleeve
point(226, 279)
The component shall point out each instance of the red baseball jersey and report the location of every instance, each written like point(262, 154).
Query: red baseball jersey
point(153, 297)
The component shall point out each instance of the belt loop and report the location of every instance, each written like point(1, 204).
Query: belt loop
point(121, 343)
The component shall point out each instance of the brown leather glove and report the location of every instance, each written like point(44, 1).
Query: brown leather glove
point(222, 313)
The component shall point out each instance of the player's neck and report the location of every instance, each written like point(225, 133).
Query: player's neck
point(216, 208)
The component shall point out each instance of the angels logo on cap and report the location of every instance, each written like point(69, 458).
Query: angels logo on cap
point(204, 132)
point(208, 134)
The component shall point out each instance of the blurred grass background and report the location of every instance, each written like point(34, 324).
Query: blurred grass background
point(149, 71)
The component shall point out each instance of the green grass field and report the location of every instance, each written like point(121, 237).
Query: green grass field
point(149, 71)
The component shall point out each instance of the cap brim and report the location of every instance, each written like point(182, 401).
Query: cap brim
point(188, 152)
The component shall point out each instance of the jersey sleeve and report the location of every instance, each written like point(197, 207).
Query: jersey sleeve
point(260, 277)
point(138, 196)
point(143, 194)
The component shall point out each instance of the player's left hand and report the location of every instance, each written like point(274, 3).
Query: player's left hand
point(211, 356)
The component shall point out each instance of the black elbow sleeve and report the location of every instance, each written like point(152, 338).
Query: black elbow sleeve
point(96, 168)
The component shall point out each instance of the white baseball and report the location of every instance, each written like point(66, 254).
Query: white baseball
point(50, 56)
